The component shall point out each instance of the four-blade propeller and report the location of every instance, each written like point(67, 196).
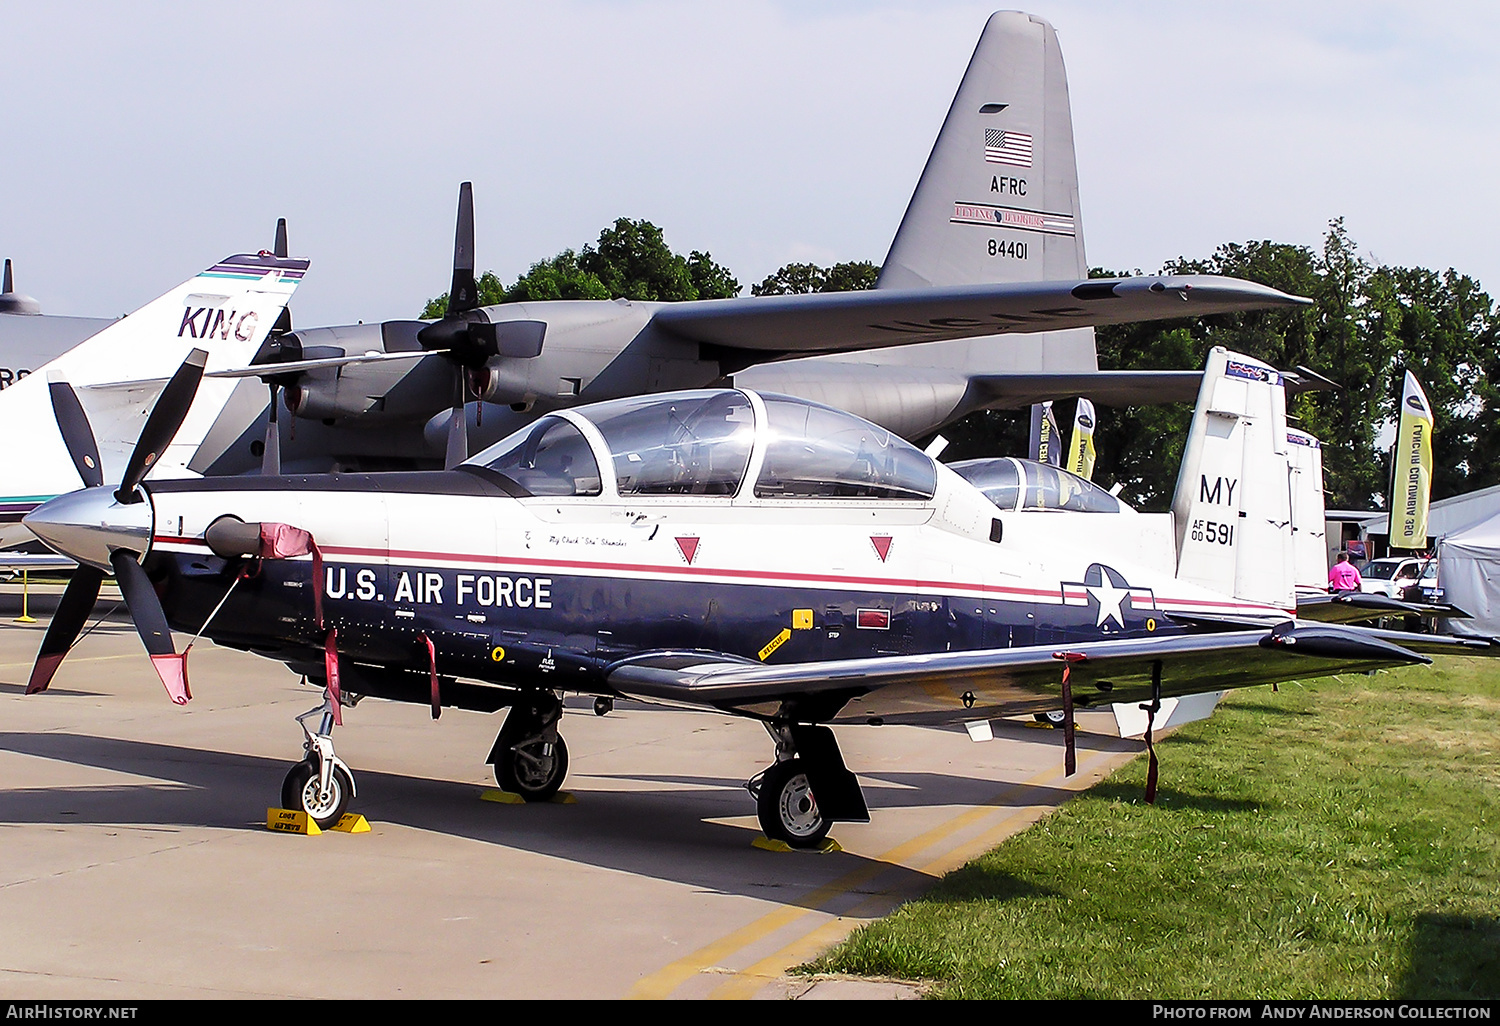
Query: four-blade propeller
point(110, 530)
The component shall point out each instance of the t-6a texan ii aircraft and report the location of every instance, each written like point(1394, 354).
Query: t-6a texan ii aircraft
point(726, 550)
point(984, 291)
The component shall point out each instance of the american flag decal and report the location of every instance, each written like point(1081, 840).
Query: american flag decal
point(1002, 147)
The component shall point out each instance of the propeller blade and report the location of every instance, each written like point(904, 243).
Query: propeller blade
point(463, 296)
point(270, 461)
point(458, 428)
point(77, 435)
point(151, 624)
point(280, 249)
point(72, 613)
point(8, 285)
point(166, 417)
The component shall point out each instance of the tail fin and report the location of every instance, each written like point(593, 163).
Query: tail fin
point(227, 310)
point(1309, 518)
point(1233, 505)
point(998, 200)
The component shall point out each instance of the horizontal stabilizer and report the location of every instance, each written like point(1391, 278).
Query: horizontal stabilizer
point(1357, 606)
point(1112, 388)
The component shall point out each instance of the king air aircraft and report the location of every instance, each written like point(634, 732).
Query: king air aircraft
point(727, 550)
point(985, 291)
point(112, 378)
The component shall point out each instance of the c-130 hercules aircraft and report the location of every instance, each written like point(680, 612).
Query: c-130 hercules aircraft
point(727, 550)
point(983, 300)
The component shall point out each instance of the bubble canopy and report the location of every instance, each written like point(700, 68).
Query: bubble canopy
point(711, 443)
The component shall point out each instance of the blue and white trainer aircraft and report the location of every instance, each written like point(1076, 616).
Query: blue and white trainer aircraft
point(754, 554)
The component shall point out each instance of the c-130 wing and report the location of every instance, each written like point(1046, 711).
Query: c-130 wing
point(838, 322)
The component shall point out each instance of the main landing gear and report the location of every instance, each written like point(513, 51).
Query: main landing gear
point(321, 784)
point(807, 789)
point(529, 756)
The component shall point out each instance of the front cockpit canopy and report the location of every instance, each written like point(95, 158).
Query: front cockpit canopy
point(704, 442)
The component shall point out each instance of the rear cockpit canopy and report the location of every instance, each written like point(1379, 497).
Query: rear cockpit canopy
point(1021, 485)
point(708, 443)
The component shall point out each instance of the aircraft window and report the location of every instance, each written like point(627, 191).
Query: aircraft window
point(999, 479)
point(697, 443)
point(819, 452)
point(1049, 487)
point(551, 457)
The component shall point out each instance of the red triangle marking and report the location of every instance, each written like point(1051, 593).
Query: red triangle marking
point(688, 547)
point(882, 543)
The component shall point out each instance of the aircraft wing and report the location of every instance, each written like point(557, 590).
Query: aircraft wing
point(876, 318)
point(12, 563)
point(959, 686)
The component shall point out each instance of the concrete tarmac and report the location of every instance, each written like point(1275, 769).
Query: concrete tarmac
point(137, 864)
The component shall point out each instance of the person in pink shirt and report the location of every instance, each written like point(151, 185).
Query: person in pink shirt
point(1343, 576)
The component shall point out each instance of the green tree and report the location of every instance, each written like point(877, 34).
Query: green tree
point(794, 278)
point(1442, 328)
point(631, 260)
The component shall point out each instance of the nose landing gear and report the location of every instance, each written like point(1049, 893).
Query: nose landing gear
point(321, 784)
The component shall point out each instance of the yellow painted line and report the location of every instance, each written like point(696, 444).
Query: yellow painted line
point(748, 982)
point(77, 659)
point(661, 983)
point(664, 981)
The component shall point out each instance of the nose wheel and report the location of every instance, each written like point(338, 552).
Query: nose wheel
point(303, 790)
point(321, 784)
point(786, 808)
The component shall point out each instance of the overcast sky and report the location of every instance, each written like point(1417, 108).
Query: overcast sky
point(144, 141)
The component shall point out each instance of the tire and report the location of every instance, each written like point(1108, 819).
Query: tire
point(299, 791)
point(786, 808)
point(1053, 718)
point(523, 768)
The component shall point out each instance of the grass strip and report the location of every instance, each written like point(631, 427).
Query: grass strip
point(1338, 839)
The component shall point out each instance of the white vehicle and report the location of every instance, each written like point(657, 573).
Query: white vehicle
point(1393, 575)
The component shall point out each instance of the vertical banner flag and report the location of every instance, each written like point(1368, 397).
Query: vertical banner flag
point(1412, 460)
point(1046, 443)
point(1081, 449)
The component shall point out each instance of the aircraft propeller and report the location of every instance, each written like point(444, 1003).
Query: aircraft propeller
point(470, 339)
point(270, 461)
point(110, 529)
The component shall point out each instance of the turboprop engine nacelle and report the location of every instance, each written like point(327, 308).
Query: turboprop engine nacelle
point(334, 393)
point(503, 381)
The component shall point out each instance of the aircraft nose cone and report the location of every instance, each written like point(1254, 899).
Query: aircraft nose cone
point(88, 525)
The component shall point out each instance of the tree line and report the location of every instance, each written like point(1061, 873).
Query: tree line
point(1368, 324)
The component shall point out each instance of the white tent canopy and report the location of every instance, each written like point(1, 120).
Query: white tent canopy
point(1447, 516)
point(1469, 574)
point(1467, 529)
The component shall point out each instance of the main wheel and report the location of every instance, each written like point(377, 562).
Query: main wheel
point(786, 807)
point(532, 768)
point(300, 791)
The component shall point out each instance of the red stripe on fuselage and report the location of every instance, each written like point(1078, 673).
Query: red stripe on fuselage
point(879, 583)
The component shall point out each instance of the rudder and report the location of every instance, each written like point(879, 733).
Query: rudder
point(1232, 509)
